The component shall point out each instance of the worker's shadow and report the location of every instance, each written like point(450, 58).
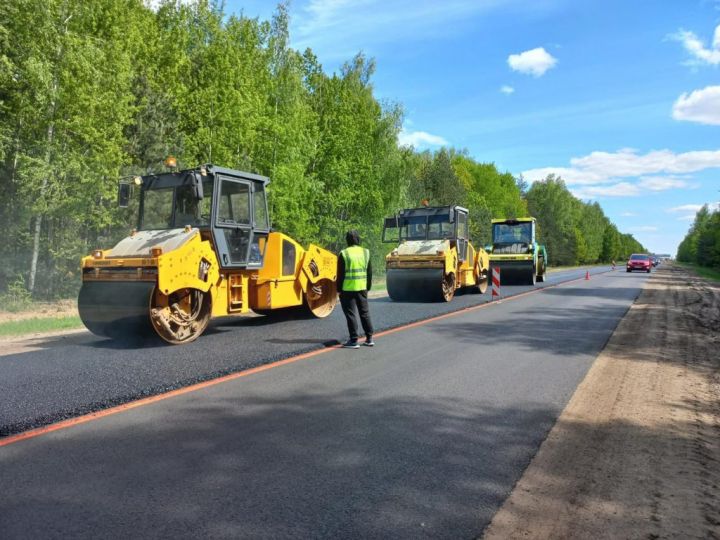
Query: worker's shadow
point(324, 342)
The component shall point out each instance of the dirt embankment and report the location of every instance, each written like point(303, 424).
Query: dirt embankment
point(61, 308)
point(636, 453)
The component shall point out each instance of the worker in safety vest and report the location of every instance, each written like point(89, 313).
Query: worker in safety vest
point(354, 275)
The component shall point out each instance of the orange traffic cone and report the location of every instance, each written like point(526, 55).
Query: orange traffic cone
point(587, 274)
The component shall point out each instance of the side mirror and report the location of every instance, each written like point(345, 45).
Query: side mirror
point(124, 191)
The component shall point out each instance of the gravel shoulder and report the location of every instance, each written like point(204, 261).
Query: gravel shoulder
point(636, 452)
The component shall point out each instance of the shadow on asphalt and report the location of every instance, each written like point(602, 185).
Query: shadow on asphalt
point(597, 292)
point(324, 342)
point(302, 466)
point(564, 332)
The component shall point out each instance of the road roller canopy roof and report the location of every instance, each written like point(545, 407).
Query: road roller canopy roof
point(513, 231)
point(427, 223)
point(231, 204)
point(187, 198)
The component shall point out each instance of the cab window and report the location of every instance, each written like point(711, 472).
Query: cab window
point(260, 207)
point(234, 203)
point(439, 227)
point(288, 258)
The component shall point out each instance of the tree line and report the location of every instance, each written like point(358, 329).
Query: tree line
point(94, 91)
point(701, 244)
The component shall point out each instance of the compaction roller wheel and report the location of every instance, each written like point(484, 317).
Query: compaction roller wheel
point(181, 316)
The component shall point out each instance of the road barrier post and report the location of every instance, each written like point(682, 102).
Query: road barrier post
point(495, 283)
point(587, 275)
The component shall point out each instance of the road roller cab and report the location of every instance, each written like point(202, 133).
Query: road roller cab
point(203, 247)
point(515, 251)
point(434, 256)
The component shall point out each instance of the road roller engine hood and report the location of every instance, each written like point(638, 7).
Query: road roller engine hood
point(146, 243)
point(512, 251)
point(423, 254)
point(422, 247)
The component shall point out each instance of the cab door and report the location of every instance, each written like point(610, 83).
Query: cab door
point(232, 227)
point(462, 233)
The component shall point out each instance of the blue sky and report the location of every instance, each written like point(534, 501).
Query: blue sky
point(621, 98)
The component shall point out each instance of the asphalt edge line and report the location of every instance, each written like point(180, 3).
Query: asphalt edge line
point(64, 424)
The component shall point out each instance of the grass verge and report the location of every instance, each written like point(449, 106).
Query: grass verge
point(378, 284)
point(702, 271)
point(46, 324)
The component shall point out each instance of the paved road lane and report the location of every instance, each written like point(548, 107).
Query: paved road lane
point(423, 436)
point(90, 373)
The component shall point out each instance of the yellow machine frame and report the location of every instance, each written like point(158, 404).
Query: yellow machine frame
point(422, 267)
point(177, 285)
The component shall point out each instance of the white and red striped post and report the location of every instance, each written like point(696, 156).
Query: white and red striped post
point(495, 283)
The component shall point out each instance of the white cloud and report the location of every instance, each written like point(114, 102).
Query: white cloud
point(621, 189)
point(608, 167)
point(701, 106)
point(572, 176)
point(533, 62)
point(696, 47)
point(692, 209)
point(661, 183)
point(420, 139)
point(685, 208)
point(628, 214)
point(505, 89)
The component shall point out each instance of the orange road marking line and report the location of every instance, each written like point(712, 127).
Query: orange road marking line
point(64, 424)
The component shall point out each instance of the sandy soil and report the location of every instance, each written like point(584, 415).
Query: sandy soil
point(61, 308)
point(636, 453)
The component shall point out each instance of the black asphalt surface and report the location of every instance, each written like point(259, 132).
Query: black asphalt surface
point(89, 373)
point(421, 437)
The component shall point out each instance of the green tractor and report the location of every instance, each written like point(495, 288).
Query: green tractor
point(515, 251)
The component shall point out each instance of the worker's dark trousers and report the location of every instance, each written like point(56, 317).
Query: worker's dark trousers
point(354, 303)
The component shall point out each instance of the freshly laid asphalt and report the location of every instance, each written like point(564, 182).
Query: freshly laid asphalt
point(421, 437)
point(91, 373)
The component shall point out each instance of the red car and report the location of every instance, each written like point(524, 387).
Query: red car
point(639, 262)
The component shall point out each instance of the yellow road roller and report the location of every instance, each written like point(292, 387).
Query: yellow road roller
point(203, 248)
point(516, 252)
point(434, 256)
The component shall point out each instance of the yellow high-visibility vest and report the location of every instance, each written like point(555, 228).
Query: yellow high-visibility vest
point(356, 260)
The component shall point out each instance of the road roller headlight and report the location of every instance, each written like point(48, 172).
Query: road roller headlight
point(440, 252)
point(394, 252)
point(156, 251)
point(98, 254)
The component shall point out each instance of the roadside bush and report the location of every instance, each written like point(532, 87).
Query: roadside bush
point(17, 296)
